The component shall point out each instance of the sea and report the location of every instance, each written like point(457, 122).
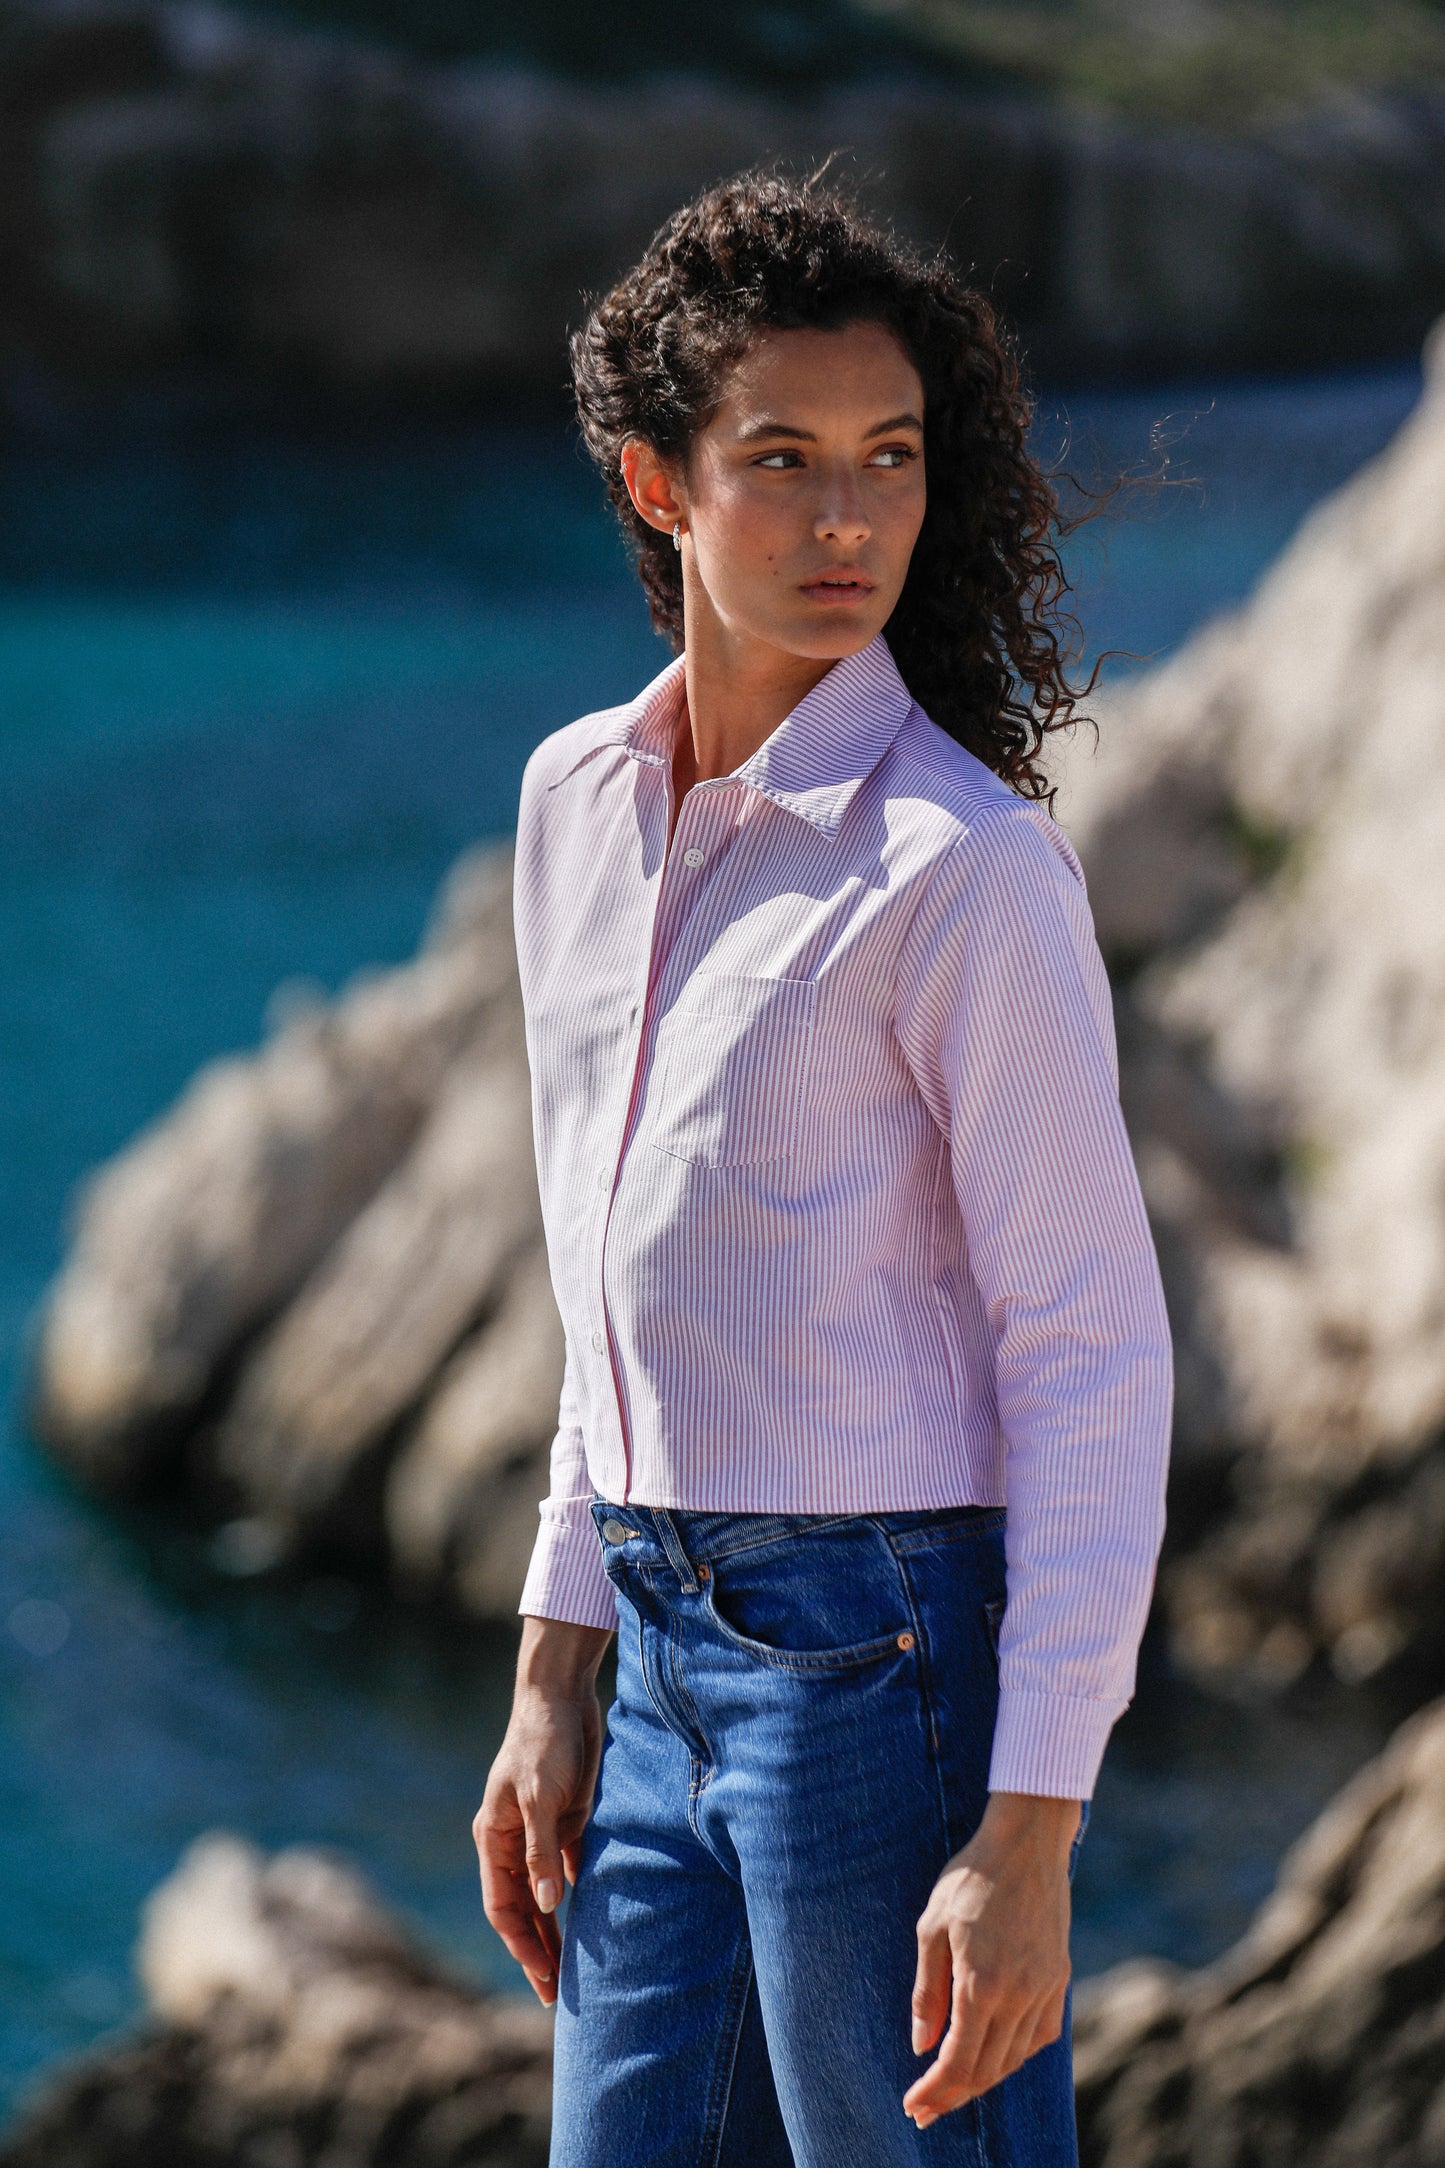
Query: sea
point(260, 683)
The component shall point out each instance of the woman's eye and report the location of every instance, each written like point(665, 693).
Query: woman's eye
point(888, 455)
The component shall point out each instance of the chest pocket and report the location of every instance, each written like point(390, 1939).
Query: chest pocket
point(729, 1068)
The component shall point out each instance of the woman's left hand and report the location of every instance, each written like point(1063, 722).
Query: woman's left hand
point(993, 1952)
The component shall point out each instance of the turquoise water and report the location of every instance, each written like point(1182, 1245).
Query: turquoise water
point(256, 692)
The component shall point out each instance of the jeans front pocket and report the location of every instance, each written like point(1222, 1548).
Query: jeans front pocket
point(730, 1066)
point(826, 1601)
point(786, 1659)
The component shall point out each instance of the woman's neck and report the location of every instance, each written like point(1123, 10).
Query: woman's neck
point(738, 691)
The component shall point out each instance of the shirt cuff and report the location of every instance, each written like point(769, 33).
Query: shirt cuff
point(1050, 1743)
point(566, 1578)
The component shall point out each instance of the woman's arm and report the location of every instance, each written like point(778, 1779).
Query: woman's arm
point(565, 1576)
point(993, 1952)
point(539, 1792)
point(1003, 1011)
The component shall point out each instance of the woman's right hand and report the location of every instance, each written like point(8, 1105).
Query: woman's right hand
point(539, 1792)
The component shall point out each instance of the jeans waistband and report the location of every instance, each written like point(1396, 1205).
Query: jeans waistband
point(686, 1539)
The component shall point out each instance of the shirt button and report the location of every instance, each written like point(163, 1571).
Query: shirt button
point(602, 1181)
point(692, 857)
point(598, 1342)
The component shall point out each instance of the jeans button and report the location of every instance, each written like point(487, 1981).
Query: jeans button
point(615, 1532)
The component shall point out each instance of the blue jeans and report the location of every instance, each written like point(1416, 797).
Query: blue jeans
point(799, 1741)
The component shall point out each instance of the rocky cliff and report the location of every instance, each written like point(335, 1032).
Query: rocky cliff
point(189, 194)
point(1264, 828)
point(1319, 2041)
point(318, 1286)
point(293, 2022)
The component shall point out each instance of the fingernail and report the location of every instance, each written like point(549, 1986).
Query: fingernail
point(919, 2035)
point(548, 1894)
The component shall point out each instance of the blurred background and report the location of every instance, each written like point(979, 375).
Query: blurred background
point(299, 559)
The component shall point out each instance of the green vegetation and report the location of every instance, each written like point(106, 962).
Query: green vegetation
point(1263, 845)
point(1211, 62)
point(1307, 1164)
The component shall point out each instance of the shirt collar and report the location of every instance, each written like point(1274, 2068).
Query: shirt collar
point(819, 755)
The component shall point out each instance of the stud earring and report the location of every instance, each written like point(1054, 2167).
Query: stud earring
point(677, 535)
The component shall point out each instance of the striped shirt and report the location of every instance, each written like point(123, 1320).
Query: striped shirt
point(839, 1205)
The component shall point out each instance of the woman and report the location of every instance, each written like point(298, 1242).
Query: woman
point(863, 1427)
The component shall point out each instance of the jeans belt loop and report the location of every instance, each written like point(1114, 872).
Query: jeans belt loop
point(672, 1544)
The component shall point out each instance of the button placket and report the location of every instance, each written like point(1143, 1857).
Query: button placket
point(639, 1015)
point(675, 895)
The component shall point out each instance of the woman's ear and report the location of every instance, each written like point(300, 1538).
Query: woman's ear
point(652, 486)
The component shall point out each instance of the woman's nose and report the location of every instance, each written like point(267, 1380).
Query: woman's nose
point(841, 517)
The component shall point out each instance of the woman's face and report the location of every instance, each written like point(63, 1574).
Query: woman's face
point(802, 498)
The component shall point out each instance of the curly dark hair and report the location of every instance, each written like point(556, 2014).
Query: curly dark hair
point(978, 633)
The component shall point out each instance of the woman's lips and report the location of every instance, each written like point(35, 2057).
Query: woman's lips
point(838, 587)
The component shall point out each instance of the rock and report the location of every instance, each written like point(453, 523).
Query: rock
point(460, 1510)
point(1319, 2041)
point(213, 1219)
point(200, 194)
point(421, 1265)
point(1264, 831)
point(294, 2025)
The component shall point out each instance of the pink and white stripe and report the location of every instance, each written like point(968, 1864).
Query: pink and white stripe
point(839, 1204)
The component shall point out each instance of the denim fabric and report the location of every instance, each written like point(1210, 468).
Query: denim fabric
point(799, 1741)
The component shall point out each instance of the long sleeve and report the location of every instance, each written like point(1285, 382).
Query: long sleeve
point(565, 1579)
point(1003, 1013)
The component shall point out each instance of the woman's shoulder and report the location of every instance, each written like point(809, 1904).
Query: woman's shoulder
point(634, 721)
point(968, 815)
point(558, 753)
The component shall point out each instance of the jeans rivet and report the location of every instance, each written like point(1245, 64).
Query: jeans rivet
point(704, 1573)
point(905, 1641)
